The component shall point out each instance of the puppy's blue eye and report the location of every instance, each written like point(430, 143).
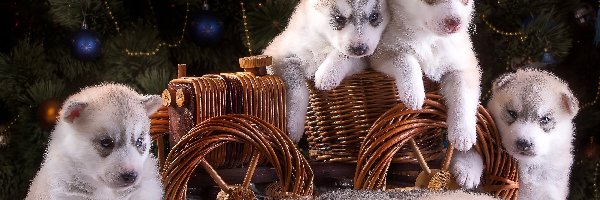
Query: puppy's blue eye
point(545, 120)
point(340, 19)
point(338, 22)
point(107, 143)
point(139, 142)
point(374, 19)
point(512, 114)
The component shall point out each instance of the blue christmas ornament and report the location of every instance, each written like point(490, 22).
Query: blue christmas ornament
point(206, 28)
point(525, 22)
point(86, 45)
point(548, 58)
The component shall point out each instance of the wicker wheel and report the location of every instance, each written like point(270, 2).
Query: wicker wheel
point(398, 126)
point(294, 172)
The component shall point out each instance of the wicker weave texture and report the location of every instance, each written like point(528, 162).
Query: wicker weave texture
point(233, 93)
point(338, 120)
point(292, 169)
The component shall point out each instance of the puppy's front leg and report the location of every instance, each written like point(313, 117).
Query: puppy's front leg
point(460, 89)
point(296, 94)
point(335, 68)
point(467, 168)
point(406, 71)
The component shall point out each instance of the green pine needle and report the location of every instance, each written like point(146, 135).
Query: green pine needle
point(154, 80)
point(268, 21)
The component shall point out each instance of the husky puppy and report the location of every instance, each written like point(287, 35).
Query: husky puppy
point(324, 41)
point(100, 148)
point(430, 37)
point(533, 111)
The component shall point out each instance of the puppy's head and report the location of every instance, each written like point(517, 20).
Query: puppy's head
point(109, 137)
point(533, 111)
point(442, 17)
point(354, 27)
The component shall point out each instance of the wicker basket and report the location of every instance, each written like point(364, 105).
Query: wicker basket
point(337, 121)
point(394, 130)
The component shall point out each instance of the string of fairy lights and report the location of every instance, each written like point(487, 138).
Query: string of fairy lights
point(246, 31)
point(596, 169)
point(3, 134)
point(161, 44)
point(522, 36)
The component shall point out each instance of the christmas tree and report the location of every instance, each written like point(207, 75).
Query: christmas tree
point(53, 48)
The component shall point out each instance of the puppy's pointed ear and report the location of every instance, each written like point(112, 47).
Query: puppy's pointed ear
point(502, 81)
point(569, 103)
point(73, 110)
point(151, 103)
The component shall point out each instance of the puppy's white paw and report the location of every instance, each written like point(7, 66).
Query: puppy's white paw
point(414, 101)
point(413, 96)
point(325, 81)
point(461, 134)
point(467, 168)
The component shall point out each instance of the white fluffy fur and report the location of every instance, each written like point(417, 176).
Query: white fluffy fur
point(417, 194)
point(519, 103)
point(417, 41)
point(73, 167)
point(311, 48)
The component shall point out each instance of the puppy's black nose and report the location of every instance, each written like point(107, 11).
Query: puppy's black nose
point(359, 50)
point(129, 177)
point(524, 145)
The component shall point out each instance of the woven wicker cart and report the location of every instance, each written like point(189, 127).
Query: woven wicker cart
point(361, 122)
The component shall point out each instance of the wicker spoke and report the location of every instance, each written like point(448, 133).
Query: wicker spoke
point(251, 170)
point(214, 175)
point(419, 156)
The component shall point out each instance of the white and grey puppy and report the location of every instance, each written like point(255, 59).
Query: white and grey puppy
point(100, 148)
point(324, 40)
point(430, 37)
point(533, 111)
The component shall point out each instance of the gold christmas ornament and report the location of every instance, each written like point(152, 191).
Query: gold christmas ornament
point(179, 97)
point(48, 113)
point(166, 96)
